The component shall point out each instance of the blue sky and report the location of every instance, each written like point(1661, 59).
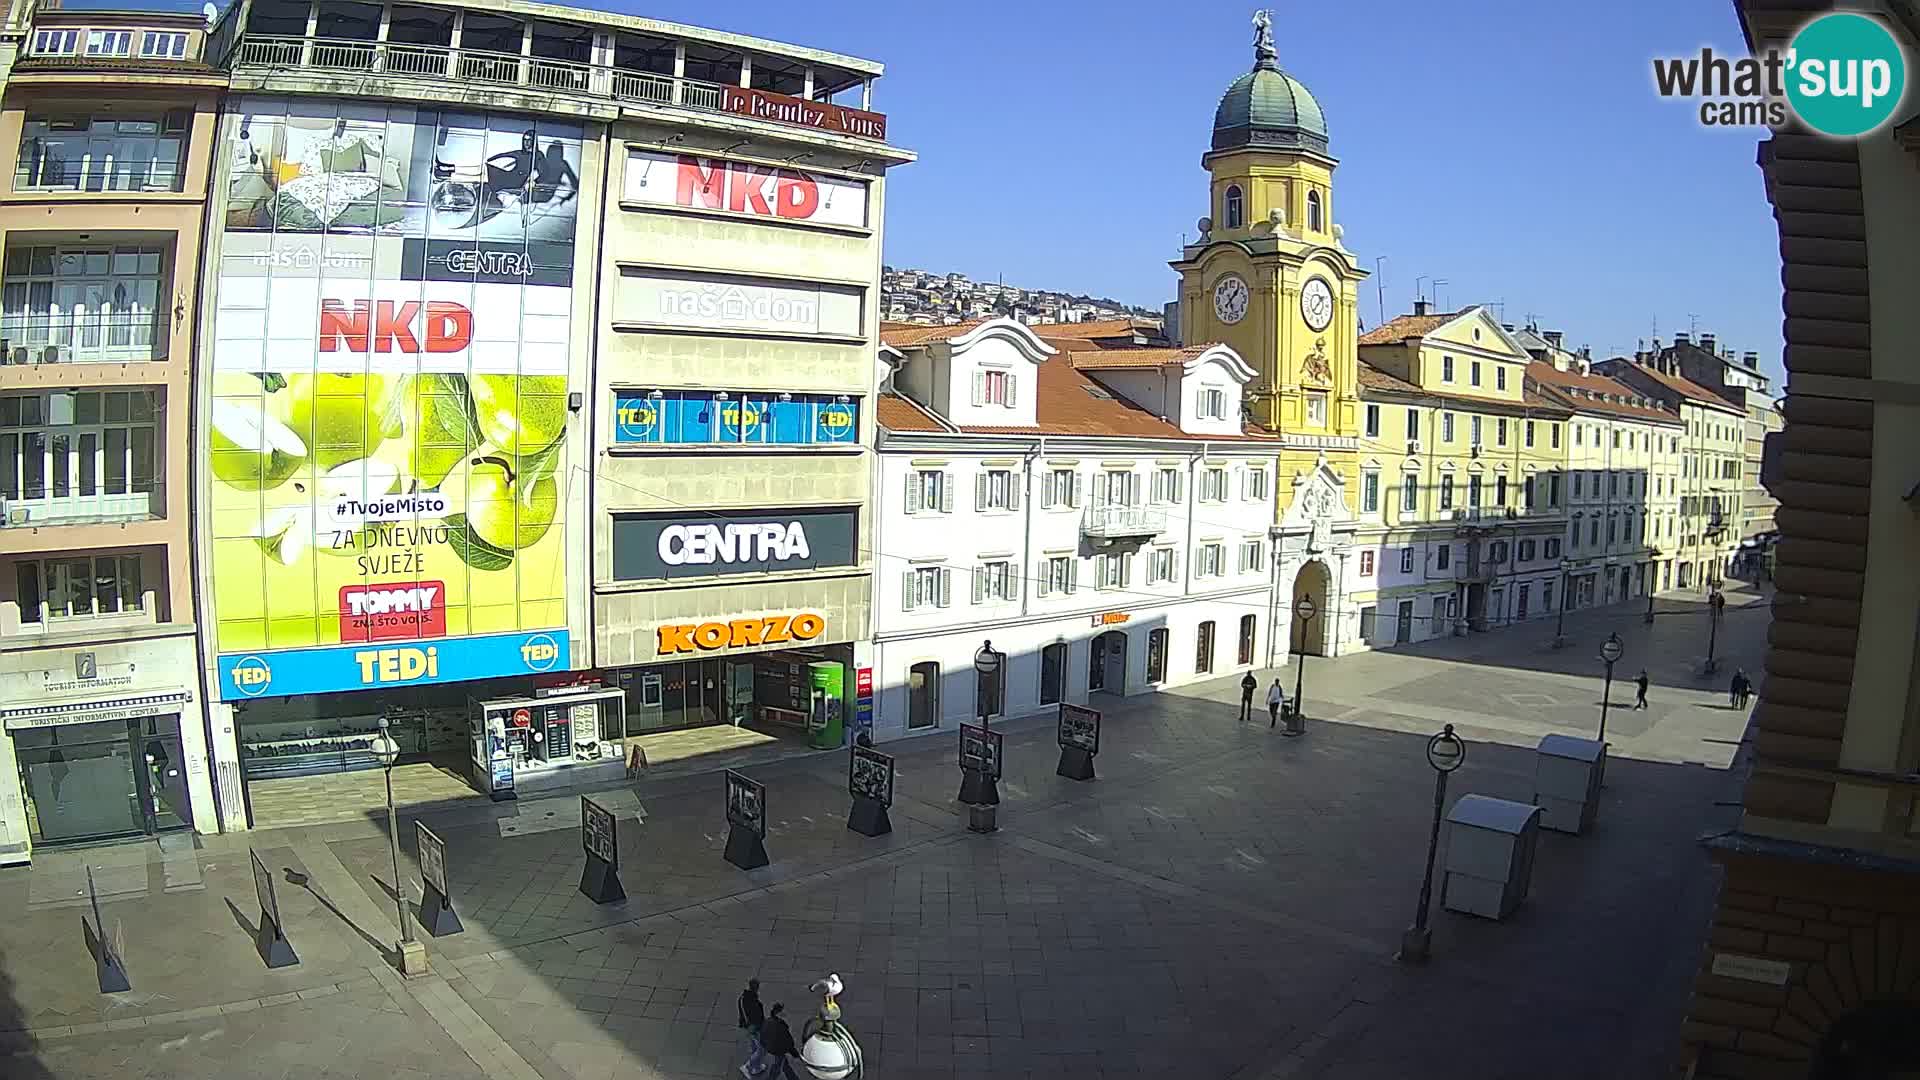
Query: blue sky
point(1515, 148)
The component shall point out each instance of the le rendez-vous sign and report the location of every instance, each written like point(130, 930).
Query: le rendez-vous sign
point(767, 105)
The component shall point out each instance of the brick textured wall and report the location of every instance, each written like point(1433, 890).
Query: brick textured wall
point(1849, 936)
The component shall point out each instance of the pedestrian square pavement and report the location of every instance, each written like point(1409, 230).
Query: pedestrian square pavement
point(1222, 902)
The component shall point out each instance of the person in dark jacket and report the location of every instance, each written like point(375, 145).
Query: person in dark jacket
point(776, 1038)
point(752, 1017)
point(1640, 697)
point(1248, 684)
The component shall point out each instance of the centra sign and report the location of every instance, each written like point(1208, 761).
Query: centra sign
point(758, 542)
point(738, 633)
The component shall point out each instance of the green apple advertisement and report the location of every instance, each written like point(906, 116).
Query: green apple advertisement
point(387, 434)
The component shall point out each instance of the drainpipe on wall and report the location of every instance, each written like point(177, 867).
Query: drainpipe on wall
point(1037, 453)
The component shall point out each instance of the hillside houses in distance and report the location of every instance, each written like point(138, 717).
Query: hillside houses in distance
point(934, 299)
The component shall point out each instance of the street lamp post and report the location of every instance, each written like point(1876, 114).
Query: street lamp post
point(1610, 651)
point(410, 956)
point(1716, 604)
point(986, 670)
point(1560, 617)
point(1445, 752)
point(1305, 610)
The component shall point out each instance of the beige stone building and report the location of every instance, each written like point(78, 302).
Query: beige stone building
point(1809, 968)
point(107, 123)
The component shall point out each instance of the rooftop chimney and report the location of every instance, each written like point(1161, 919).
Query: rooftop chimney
point(1554, 337)
point(1420, 307)
point(1681, 339)
point(1706, 342)
point(1752, 359)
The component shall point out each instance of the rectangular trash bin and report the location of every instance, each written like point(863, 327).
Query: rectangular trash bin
point(1489, 864)
point(1566, 782)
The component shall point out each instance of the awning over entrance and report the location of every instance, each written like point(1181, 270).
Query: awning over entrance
point(53, 713)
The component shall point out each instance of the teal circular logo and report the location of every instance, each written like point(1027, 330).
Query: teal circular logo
point(1845, 74)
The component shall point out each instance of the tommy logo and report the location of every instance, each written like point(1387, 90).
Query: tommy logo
point(390, 326)
point(383, 612)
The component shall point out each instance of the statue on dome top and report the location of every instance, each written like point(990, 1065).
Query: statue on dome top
point(1263, 50)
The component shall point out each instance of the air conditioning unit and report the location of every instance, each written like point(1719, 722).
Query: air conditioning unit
point(1477, 448)
point(1413, 446)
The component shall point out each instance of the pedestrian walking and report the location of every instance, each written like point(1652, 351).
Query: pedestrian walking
point(1248, 684)
point(752, 1018)
point(1742, 689)
point(1733, 691)
point(1640, 697)
point(1276, 700)
point(776, 1038)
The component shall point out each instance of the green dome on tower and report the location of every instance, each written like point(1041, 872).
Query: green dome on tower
point(1267, 108)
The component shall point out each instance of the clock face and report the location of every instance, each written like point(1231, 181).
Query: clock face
point(1230, 299)
point(1316, 304)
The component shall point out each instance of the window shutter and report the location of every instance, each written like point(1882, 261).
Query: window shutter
point(913, 492)
point(946, 586)
point(1040, 581)
point(1050, 489)
point(1199, 563)
point(1074, 484)
point(946, 492)
point(1179, 486)
point(906, 593)
point(979, 584)
point(1126, 570)
point(1013, 581)
point(1014, 483)
point(979, 388)
point(980, 491)
point(1012, 381)
point(1099, 571)
point(1073, 575)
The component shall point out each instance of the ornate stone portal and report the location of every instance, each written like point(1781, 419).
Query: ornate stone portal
point(1318, 526)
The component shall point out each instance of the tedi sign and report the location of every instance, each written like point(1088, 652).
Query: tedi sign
point(647, 546)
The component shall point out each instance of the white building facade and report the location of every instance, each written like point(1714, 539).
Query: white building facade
point(1099, 517)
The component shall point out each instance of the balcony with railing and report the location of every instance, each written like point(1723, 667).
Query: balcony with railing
point(605, 63)
point(1115, 521)
point(84, 337)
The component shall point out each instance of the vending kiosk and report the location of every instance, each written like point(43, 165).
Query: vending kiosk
point(519, 742)
point(826, 705)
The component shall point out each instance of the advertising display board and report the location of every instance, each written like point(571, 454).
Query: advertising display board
point(729, 418)
point(691, 182)
point(387, 435)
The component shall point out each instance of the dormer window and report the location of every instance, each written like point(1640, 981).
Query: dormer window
point(1213, 404)
point(56, 42)
point(109, 42)
point(993, 388)
point(1233, 208)
point(163, 45)
point(1313, 211)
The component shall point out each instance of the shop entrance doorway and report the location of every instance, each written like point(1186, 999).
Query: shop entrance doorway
point(104, 780)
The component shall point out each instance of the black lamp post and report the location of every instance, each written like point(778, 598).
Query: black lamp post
point(410, 956)
point(1560, 617)
point(986, 671)
point(1610, 651)
point(1305, 610)
point(1716, 604)
point(1445, 752)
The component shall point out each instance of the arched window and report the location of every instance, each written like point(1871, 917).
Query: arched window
point(1313, 211)
point(1233, 211)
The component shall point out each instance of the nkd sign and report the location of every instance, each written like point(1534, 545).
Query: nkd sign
point(740, 187)
point(656, 546)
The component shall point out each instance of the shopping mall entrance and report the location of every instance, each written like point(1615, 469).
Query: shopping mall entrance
point(801, 695)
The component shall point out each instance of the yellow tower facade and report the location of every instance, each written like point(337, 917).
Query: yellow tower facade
point(1271, 277)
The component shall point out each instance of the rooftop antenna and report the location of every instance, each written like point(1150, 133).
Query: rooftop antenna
point(1380, 289)
point(1693, 326)
point(1437, 282)
point(1419, 291)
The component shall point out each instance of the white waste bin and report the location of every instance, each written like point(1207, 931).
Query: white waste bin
point(1566, 781)
point(1489, 864)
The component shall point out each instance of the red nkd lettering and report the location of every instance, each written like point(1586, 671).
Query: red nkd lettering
point(387, 326)
point(701, 183)
point(797, 195)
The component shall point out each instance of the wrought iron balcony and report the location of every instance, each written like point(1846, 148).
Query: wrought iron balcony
point(84, 338)
point(1117, 522)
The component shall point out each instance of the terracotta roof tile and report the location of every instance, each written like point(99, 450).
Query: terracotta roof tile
point(908, 335)
point(1372, 378)
point(1685, 387)
point(1086, 330)
point(1401, 327)
point(898, 413)
point(1108, 359)
point(1571, 389)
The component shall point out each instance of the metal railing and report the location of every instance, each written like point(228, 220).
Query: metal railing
point(44, 508)
point(83, 338)
point(1109, 521)
point(474, 65)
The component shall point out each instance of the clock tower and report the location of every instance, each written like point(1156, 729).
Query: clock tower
point(1270, 276)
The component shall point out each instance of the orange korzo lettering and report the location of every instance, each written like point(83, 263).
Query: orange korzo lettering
point(674, 639)
point(748, 631)
point(777, 629)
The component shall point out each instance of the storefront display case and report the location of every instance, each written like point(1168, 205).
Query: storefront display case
point(516, 741)
point(339, 744)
